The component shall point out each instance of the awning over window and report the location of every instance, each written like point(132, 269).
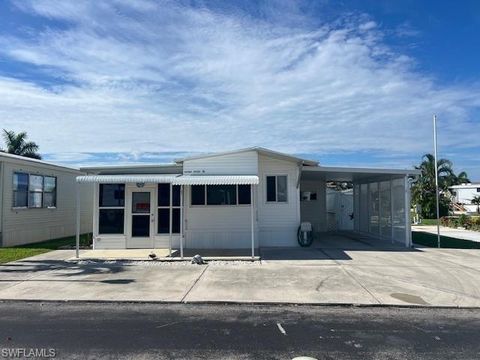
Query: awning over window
point(174, 179)
point(123, 179)
point(216, 180)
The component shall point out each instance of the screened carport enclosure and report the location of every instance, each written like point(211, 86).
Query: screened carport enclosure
point(378, 204)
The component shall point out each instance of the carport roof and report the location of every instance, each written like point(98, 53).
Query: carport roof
point(329, 173)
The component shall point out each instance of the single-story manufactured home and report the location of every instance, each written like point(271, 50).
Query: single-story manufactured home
point(241, 199)
point(38, 201)
point(463, 195)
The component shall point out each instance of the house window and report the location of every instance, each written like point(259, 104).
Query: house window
point(198, 194)
point(20, 190)
point(164, 209)
point(277, 188)
point(49, 191)
point(221, 195)
point(111, 211)
point(34, 191)
point(244, 195)
point(478, 189)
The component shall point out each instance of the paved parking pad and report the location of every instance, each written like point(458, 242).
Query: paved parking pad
point(337, 270)
point(280, 284)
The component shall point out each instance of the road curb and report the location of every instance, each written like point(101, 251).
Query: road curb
point(240, 303)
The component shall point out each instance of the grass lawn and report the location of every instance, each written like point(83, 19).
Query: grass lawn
point(428, 222)
point(8, 254)
point(430, 240)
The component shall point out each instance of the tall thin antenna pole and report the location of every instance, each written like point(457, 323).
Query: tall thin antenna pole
point(436, 178)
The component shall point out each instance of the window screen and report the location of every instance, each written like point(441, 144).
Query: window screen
point(277, 188)
point(20, 190)
point(198, 194)
point(164, 221)
point(221, 195)
point(35, 191)
point(244, 196)
point(281, 188)
point(111, 214)
point(271, 188)
point(112, 195)
point(110, 221)
point(49, 191)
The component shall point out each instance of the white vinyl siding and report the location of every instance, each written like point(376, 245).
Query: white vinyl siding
point(314, 211)
point(278, 221)
point(22, 226)
point(216, 226)
point(244, 163)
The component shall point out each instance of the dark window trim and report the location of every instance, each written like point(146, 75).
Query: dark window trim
point(43, 192)
point(276, 190)
point(14, 191)
point(116, 207)
point(54, 192)
point(237, 204)
point(167, 207)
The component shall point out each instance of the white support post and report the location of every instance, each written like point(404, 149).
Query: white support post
point(408, 231)
point(181, 221)
point(252, 221)
point(77, 220)
point(392, 230)
point(368, 208)
point(380, 213)
point(170, 222)
point(437, 195)
point(95, 215)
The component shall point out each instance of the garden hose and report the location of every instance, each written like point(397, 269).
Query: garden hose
point(304, 241)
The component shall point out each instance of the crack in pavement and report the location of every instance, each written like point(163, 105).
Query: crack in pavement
point(193, 285)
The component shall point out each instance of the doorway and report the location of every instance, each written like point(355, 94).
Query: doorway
point(141, 218)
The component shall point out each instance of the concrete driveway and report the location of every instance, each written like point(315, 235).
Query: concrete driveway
point(450, 232)
point(336, 270)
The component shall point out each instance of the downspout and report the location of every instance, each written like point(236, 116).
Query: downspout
point(300, 166)
point(299, 212)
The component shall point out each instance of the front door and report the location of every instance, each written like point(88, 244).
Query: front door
point(142, 218)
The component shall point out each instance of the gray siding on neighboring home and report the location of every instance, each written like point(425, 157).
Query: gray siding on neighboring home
point(23, 225)
point(1, 203)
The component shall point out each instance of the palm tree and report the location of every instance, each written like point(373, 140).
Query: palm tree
point(461, 178)
point(476, 201)
point(17, 144)
point(423, 190)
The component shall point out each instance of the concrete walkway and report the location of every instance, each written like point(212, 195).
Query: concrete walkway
point(446, 231)
point(339, 270)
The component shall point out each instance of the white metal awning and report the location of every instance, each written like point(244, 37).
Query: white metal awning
point(174, 179)
point(216, 180)
point(120, 179)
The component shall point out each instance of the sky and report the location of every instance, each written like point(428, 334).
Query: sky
point(348, 83)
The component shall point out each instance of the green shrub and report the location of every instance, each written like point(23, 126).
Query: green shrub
point(465, 221)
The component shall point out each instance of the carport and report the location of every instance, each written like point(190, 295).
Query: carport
point(381, 200)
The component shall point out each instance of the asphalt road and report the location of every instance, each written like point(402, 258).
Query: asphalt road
point(144, 331)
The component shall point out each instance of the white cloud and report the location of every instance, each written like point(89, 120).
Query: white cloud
point(151, 77)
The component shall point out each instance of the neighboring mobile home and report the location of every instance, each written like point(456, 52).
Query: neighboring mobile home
point(38, 201)
point(242, 199)
point(463, 195)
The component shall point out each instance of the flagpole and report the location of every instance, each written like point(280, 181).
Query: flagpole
point(436, 178)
